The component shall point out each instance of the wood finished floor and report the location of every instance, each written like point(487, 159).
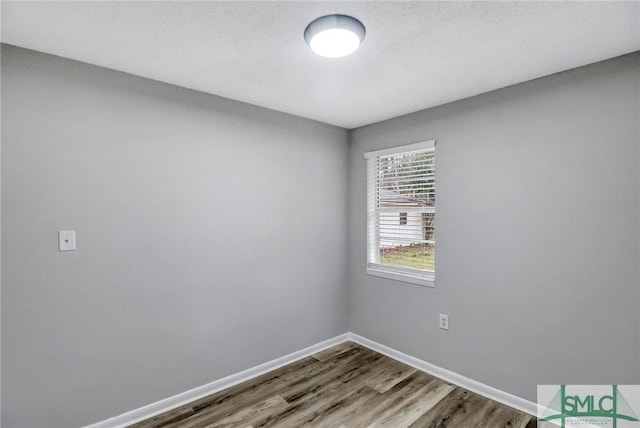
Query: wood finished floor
point(344, 386)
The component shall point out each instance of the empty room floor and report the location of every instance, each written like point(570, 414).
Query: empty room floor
point(347, 385)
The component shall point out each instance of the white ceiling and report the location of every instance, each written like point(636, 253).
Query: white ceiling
point(416, 54)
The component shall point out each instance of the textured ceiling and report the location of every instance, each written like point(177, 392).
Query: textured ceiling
point(415, 55)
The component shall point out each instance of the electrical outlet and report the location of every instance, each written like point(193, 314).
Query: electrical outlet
point(444, 321)
point(67, 240)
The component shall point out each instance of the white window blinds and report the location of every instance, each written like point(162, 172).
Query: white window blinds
point(401, 195)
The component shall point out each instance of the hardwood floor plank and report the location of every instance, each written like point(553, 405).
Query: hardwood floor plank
point(414, 405)
point(268, 381)
point(391, 375)
point(323, 391)
point(329, 414)
point(244, 416)
point(488, 414)
point(253, 387)
point(506, 417)
point(374, 407)
point(468, 406)
point(308, 410)
point(250, 393)
point(249, 415)
point(253, 391)
point(336, 350)
point(442, 412)
point(347, 386)
point(343, 374)
point(228, 401)
point(472, 413)
point(335, 413)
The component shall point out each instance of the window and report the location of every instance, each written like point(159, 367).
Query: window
point(401, 213)
point(403, 219)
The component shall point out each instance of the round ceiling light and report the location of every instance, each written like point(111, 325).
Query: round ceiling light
point(334, 36)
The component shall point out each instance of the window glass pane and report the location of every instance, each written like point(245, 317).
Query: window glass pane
point(415, 256)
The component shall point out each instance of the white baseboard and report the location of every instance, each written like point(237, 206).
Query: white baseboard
point(183, 398)
point(449, 376)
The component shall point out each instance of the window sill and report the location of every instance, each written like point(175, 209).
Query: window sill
point(403, 277)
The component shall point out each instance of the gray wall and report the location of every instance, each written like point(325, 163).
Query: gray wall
point(537, 234)
point(211, 237)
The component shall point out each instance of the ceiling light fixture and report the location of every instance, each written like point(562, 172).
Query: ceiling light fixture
point(334, 36)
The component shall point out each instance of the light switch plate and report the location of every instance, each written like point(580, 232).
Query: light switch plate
point(444, 321)
point(67, 240)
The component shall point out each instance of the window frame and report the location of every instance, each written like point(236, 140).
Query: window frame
point(397, 273)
